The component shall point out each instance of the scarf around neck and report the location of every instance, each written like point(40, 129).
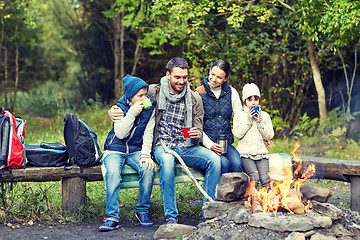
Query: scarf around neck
point(165, 95)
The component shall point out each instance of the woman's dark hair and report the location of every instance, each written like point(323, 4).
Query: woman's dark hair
point(223, 65)
point(177, 62)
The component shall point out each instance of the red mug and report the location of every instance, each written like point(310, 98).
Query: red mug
point(185, 132)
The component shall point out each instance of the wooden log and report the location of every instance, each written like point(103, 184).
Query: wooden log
point(328, 168)
point(73, 193)
point(355, 193)
point(255, 203)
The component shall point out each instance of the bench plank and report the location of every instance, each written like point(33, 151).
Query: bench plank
point(47, 174)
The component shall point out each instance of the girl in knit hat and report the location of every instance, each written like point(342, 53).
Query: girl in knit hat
point(129, 142)
point(252, 127)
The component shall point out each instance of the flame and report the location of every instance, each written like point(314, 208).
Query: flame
point(281, 194)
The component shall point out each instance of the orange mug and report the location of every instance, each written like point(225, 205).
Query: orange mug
point(185, 132)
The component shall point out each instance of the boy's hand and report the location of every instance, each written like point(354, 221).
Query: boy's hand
point(138, 106)
point(115, 113)
point(150, 164)
point(194, 133)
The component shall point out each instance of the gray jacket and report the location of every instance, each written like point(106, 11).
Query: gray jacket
point(197, 111)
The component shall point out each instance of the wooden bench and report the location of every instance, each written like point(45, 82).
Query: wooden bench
point(74, 181)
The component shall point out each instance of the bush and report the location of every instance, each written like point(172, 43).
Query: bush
point(54, 100)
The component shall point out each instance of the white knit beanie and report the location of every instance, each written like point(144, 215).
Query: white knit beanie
point(250, 89)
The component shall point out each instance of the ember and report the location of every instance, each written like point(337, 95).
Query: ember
point(282, 195)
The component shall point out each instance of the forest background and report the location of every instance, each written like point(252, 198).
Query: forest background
point(61, 56)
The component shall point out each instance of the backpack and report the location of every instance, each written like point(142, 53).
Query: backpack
point(12, 153)
point(81, 143)
point(46, 154)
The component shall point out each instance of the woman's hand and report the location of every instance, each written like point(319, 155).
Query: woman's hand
point(217, 148)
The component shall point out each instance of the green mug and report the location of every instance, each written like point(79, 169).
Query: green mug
point(146, 103)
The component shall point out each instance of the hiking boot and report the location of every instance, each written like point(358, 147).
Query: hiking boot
point(171, 221)
point(144, 219)
point(108, 226)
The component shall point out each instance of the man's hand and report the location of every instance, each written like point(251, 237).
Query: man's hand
point(115, 113)
point(150, 164)
point(194, 133)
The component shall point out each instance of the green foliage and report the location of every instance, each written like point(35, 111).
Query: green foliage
point(306, 126)
point(33, 201)
point(334, 125)
point(345, 205)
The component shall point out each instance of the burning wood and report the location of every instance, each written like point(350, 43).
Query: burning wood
point(283, 194)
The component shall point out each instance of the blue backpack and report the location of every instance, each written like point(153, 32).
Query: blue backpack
point(81, 143)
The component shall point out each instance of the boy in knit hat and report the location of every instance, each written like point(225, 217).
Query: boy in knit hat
point(129, 142)
point(252, 127)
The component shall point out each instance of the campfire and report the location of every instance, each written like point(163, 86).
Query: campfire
point(282, 195)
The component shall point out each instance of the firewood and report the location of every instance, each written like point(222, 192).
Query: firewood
point(255, 203)
point(295, 204)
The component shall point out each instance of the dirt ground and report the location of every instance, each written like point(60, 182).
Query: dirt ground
point(87, 231)
point(126, 230)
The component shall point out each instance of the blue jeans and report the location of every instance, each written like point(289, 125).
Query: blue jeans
point(231, 160)
point(114, 163)
point(198, 157)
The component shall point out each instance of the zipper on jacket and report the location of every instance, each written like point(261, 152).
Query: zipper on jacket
point(112, 139)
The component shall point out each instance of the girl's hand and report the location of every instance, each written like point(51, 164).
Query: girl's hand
point(257, 116)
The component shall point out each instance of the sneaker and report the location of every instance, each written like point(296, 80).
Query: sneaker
point(144, 219)
point(171, 221)
point(108, 226)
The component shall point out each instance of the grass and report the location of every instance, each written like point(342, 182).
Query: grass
point(42, 201)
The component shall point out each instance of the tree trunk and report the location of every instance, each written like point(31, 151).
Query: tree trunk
point(349, 83)
point(118, 55)
point(5, 76)
point(13, 101)
point(116, 22)
point(122, 54)
point(136, 56)
point(317, 79)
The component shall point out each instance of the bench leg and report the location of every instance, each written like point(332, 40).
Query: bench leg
point(73, 192)
point(355, 193)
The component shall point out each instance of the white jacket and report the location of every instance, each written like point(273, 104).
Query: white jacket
point(251, 133)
